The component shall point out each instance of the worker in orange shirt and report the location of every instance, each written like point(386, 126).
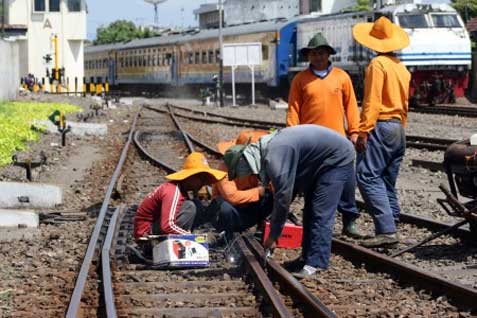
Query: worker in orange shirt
point(243, 202)
point(381, 143)
point(323, 95)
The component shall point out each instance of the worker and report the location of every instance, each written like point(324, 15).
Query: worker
point(323, 95)
point(242, 202)
point(308, 159)
point(167, 209)
point(381, 143)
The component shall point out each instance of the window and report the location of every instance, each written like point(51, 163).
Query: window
point(197, 58)
point(54, 5)
point(445, 21)
point(74, 5)
point(412, 21)
point(204, 57)
point(40, 5)
point(265, 52)
point(217, 56)
point(211, 57)
point(315, 5)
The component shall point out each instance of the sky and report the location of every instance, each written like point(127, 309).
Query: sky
point(171, 13)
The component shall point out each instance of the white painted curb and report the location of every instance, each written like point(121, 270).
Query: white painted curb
point(80, 129)
point(29, 195)
point(15, 218)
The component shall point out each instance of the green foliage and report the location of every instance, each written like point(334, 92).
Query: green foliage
point(16, 120)
point(361, 5)
point(120, 31)
point(466, 8)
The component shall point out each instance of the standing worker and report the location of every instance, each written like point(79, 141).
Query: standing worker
point(323, 95)
point(381, 143)
point(309, 159)
point(167, 209)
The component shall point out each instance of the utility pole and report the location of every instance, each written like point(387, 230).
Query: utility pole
point(221, 60)
point(3, 18)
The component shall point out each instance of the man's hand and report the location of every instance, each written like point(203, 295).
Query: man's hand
point(362, 142)
point(269, 244)
point(353, 138)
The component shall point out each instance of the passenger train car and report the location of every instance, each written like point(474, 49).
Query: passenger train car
point(439, 55)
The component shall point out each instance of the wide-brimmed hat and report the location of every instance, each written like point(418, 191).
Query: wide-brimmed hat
point(245, 135)
point(381, 36)
point(317, 41)
point(196, 163)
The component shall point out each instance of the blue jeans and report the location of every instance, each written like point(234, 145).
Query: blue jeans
point(321, 202)
point(237, 219)
point(377, 172)
point(347, 205)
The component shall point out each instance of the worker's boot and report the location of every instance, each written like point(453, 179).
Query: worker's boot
point(382, 240)
point(350, 228)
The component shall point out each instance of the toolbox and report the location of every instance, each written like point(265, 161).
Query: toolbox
point(291, 235)
point(180, 251)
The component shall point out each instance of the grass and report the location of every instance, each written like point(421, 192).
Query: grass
point(16, 120)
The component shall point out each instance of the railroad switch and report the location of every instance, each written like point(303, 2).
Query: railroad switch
point(28, 163)
point(58, 118)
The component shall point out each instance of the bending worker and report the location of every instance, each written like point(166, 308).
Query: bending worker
point(323, 95)
point(382, 142)
point(310, 159)
point(242, 202)
point(167, 209)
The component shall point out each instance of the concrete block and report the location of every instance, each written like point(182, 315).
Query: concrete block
point(280, 104)
point(18, 218)
point(29, 195)
point(79, 129)
point(13, 234)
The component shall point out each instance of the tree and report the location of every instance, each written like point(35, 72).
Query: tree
point(466, 8)
point(361, 5)
point(120, 31)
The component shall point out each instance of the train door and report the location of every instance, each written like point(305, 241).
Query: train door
point(112, 68)
point(174, 68)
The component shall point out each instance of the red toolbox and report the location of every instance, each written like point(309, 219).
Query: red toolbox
point(290, 238)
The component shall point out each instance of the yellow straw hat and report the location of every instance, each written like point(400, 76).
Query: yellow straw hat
point(381, 36)
point(196, 163)
point(242, 139)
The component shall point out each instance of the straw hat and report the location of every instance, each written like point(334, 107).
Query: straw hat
point(381, 36)
point(196, 163)
point(317, 41)
point(242, 139)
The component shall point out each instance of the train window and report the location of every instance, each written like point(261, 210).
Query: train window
point(105, 63)
point(168, 58)
point(204, 57)
point(190, 58)
point(315, 5)
point(154, 60)
point(197, 58)
point(54, 5)
point(74, 5)
point(211, 57)
point(121, 61)
point(445, 21)
point(265, 52)
point(413, 21)
point(217, 56)
point(40, 5)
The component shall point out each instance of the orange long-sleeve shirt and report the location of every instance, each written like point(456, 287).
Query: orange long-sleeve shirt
point(240, 191)
point(386, 92)
point(328, 101)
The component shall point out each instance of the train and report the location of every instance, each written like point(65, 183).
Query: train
point(438, 57)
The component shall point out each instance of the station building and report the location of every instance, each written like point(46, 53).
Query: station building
point(34, 25)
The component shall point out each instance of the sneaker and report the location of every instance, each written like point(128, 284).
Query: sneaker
point(350, 228)
point(381, 240)
point(306, 272)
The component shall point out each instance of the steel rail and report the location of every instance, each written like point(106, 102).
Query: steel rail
point(182, 131)
point(75, 301)
point(424, 222)
point(378, 262)
point(106, 266)
point(150, 157)
point(313, 305)
point(264, 283)
point(447, 110)
point(429, 165)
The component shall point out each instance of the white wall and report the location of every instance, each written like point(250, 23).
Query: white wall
point(70, 27)
point(9, 71)
point(240, 11)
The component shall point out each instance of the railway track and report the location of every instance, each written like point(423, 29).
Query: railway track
point(452, 110)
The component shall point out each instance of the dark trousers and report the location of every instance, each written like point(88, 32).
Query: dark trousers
point(377, 172)
point(347, 205)
point(236, 219)
point(185, 218)
point(321, 202)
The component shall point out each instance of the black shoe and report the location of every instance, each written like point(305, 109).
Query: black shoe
point(294, 265)
point(381, 240)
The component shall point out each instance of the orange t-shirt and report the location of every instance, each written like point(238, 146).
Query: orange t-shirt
point(328, 101)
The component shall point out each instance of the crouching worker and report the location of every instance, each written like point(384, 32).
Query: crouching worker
point(242, 202)
point(311, 159)
point(167, 209)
